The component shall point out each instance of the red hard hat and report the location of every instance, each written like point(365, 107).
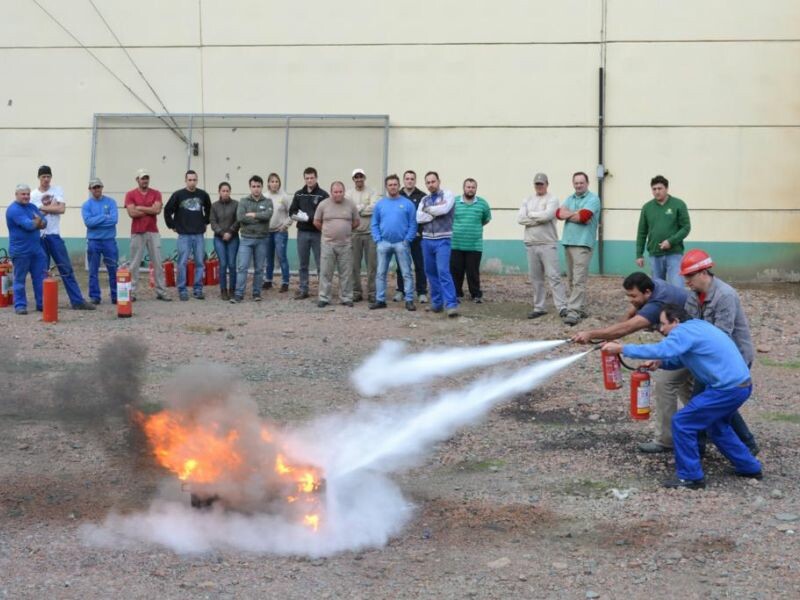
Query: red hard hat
point(694, 261)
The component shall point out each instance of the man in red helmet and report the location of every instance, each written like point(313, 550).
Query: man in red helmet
point(713, 300)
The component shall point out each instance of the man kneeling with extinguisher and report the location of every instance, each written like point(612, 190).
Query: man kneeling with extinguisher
point(714, 360)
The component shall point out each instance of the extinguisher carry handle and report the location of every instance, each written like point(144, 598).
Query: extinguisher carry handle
point(4, 256)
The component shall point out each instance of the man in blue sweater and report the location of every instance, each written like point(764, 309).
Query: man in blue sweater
point(715, 361)
point(394, 227)
point(100, 216)
point(24, 223)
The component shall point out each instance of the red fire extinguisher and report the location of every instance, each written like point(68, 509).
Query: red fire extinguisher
point(124, 301)
point(640, 394)
point(612, 371)
point(6, 280)
point(50, 300)
point(169, 272)
point(212, 269)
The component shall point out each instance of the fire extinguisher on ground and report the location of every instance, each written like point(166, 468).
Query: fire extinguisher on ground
point(6, 280)
point(640, 383)
point(124, 300)
point(169, 272)
point(50, 299)
point(212, 269)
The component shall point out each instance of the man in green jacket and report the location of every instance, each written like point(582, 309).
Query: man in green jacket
point(663, 225)
point(253, 216)
point(472, 213)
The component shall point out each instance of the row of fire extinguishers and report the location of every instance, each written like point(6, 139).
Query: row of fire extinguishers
point(170, 265)
point(640, 383)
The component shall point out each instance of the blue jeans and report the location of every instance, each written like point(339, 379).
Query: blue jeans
point(419, 269)
point(107, 250)
point(56, 250)
point(712, 410)
point(668, 268)
point(226, 252)
point(36, 265)
point(436, 255)
point(402, 253)
point(276, 243)
point(255, 249)
point(308, 242)
point(195, 244)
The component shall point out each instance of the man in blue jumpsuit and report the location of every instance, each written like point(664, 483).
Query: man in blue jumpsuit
point(716, 362)
point(27, 256)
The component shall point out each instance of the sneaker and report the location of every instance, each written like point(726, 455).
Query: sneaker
point(322, 304)
point(95, 301)
point(235, 299)
point(452, 312)
point(84, 306)
point(563, 312)
point(759, 475)
point(163, 298)
point(692, 484)
point(653, 448)
point(376, 305)
point(256, 297)
point(535, 314)
point(478, 300)
point(184, 297)
point(423, 298)
point(284, 288)
point(199, 296)
point(398, 296)
point(300, 295)
point(410, 306)
point(571, 319)
point(267, 285)
point(347, 303)
point(434, 309)
point(21, 311)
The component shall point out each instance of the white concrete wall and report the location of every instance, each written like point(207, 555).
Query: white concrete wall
point(704, 92)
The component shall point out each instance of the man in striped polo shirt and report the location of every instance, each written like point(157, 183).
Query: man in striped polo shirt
point(472, 213)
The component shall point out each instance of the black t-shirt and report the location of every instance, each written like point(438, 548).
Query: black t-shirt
point(188, 212)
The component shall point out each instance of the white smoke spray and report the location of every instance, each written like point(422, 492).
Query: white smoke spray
point(379, 372)
point(363, 507)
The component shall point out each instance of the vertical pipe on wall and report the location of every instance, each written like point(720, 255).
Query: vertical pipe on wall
point(600, 165)
point(286, 154)
point(93, 167)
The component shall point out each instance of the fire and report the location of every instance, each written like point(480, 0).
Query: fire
point(207, 453)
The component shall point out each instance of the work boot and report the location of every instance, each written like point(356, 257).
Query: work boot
point(759, 475)
point(300, 295)
point(692, 484)
point(535, 314)
point(267, 285)
point(653, 448)
point(571, 319)
point(84, 306)
point(284, 288)
point(377, 305)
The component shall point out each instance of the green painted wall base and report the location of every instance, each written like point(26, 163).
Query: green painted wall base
point(736, 261)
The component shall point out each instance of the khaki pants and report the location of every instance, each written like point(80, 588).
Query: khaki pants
point(151, 241)
point(340, 257)
point(670, 388)
point(578, 259)
point(543, 263)
point(364, 249)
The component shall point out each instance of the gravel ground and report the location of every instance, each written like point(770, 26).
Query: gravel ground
point(518, 506)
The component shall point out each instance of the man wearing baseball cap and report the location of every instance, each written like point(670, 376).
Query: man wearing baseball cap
point(49, 199)
point(364, 248)
point(100, 216)
point(143, 205)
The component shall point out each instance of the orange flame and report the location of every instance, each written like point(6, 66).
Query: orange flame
point(206, 453)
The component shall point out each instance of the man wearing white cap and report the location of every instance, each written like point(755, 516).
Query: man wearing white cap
point(364, 247)
point(143, 205)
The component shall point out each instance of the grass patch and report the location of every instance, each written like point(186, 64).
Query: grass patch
point(783, 417)
point(792, 364)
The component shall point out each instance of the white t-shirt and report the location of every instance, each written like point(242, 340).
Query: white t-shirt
point(39, 199)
